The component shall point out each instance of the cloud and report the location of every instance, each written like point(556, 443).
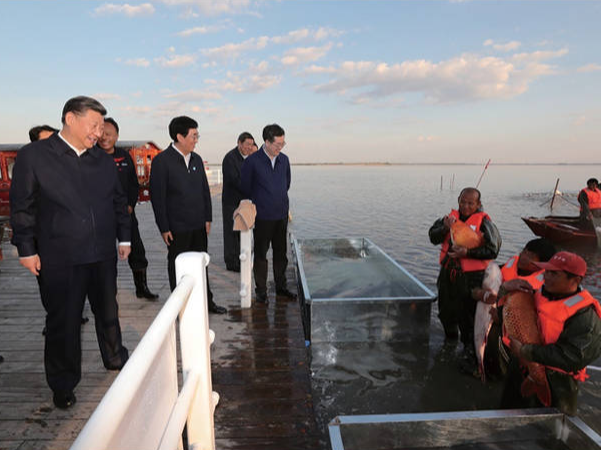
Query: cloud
point(213, 7)
point(302, 55)
point(175, 61)
point(589, 68)
point(144, 9)
point(106, 96)
point(138, 62)
point(194, 95)
point(256, 78)
point(580, 120)
point(201, 30)
point(467, 77)
point(509, 46)
point(233, 50)
point(427, 138)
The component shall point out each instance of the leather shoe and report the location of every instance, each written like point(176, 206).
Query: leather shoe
point(216, 309)
point(285, 293)
point(64, 399)
point(261, 297)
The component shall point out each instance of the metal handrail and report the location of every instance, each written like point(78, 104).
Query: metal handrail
point(142, 408)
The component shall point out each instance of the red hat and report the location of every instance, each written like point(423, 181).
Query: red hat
point(566, 261)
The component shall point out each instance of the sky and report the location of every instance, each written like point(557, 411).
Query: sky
point(349, 81)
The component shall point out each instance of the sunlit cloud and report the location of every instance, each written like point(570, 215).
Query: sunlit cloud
point(507, 47)
point(256, 78)
point(106, 96)
point(301, 55)
point(201, 30)
point(589, 68)
point(175, 61)
point(231, 50)
point(212, 7)
point(194, 95)
point(144, 9)
point(464, 78)
point(137, 62)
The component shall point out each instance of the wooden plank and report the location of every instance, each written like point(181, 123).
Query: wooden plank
point(259, 358)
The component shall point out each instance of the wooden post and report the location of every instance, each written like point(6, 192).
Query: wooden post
point(554, 194)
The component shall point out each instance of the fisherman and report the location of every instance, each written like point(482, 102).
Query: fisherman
point(518, 273)
point(129, 181)
point(570, 325)
point(590, 202)
point(462, 269)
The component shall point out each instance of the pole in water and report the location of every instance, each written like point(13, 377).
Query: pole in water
point(482, 174)
point(554, 194)
point(453, 182)
point(441, 182)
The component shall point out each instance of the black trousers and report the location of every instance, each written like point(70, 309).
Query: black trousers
point(231, 238)
point(268, 232)
point(186, 241)
point(456, 307)
point(137, 258)
point(64, 291)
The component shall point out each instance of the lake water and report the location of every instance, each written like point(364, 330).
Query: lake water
point(394, 206)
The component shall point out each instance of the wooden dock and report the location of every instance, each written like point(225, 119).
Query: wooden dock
point(260, 363)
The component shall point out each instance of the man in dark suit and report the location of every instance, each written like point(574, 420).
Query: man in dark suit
point(181, 199)
point(230, 198)
point(129, 182)
point(266, 180)
point(67, 212)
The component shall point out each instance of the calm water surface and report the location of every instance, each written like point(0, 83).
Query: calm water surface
point(394, 206)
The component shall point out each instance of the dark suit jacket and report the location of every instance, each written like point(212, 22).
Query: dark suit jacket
point(231, 168)
point(127, 175)
point(180, 195)
point(68, 209)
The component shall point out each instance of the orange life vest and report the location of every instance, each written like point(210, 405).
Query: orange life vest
point(510, 272)
point(594, 198)
point(552, 316)
point(467, 264)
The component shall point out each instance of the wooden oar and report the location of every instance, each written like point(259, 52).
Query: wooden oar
point(597, 224)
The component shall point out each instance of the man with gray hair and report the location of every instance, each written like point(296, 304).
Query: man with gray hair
point(67, 211)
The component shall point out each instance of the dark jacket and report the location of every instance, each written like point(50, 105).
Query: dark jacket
point(231, 168)
point(267, 187)
point(67, 209)
point(180, 195)
point(126, 170)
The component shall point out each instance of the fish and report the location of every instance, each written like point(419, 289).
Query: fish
point(520, 321)
point(483, 320)
point(462, 234)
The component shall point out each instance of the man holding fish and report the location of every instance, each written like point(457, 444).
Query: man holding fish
point(470, 240)
point(553, 333)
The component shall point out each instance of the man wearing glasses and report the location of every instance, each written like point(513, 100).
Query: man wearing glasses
point(265, 179)
point(181, 199)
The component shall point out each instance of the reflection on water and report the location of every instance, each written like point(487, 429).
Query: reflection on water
point(394, 207)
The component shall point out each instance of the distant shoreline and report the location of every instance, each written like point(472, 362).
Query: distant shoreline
point(377, 164)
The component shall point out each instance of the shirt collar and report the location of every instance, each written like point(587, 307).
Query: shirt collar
point(77, 152)
point(187, 157)
point(272, 160)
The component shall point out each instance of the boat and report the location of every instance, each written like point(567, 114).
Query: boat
point(561, 230)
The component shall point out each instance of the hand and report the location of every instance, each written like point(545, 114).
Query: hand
point(457, 251)
point(167, 238)
point(31, 263)
point(518, 284)
point(208, 227)
point(130, 209)
point(124, 251)
point(448, 221)
point(516, 347)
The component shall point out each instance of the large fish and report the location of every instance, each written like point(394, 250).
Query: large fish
point(520, 321)
point(462, 234)
point(483, 319)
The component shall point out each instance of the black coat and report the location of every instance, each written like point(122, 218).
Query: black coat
point(127, 175)
point(231, 167)
point(180, 195)
point(67, 209)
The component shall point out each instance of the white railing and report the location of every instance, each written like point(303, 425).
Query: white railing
point(245, 268)
point(143, 408)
